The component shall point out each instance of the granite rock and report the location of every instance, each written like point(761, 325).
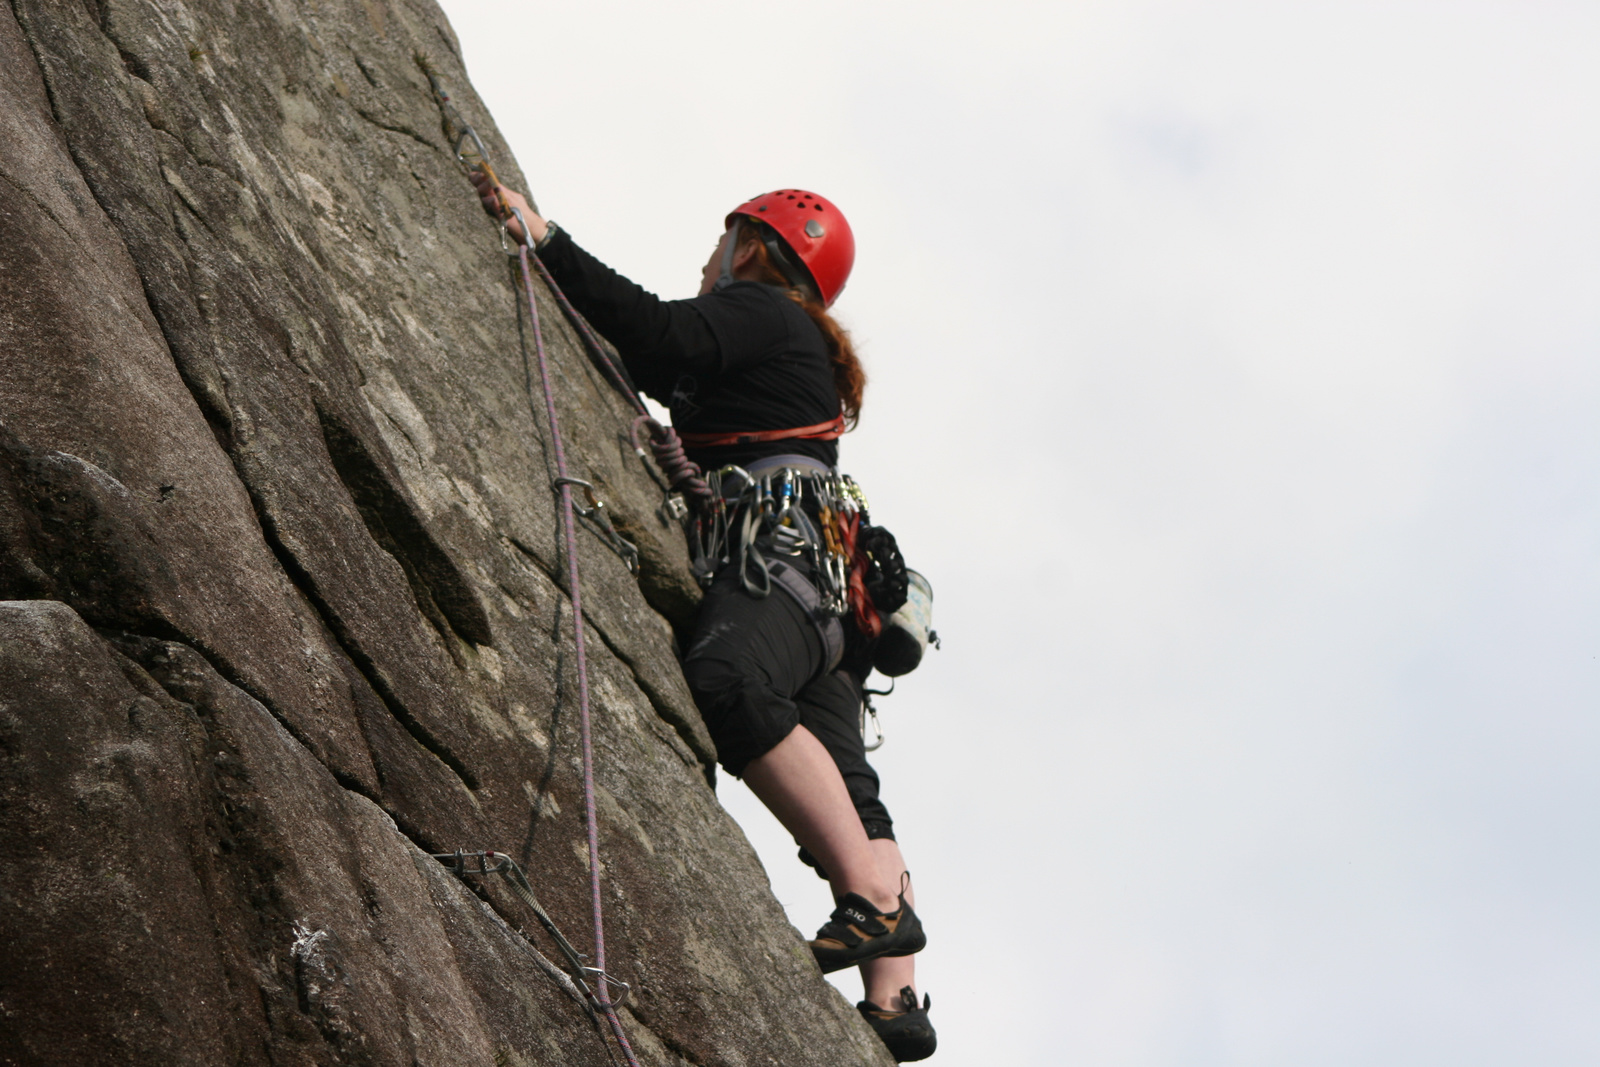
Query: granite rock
point(282, 593)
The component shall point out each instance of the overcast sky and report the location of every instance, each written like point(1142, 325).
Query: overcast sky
point(1236, 382)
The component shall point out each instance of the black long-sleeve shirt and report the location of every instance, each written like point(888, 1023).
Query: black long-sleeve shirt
point(741, 359)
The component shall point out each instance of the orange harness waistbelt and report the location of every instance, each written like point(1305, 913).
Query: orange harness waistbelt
point(831, 430)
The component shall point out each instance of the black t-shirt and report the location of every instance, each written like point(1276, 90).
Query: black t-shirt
point(740, 359)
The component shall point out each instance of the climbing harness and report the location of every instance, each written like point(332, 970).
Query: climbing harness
point(787, 506)
point(831, 430)
point(563, 484)
point(792, 506)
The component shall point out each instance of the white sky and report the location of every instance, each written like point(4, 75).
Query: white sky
point(1236, 382)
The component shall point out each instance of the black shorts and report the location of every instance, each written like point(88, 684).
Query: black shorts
point(755, 667)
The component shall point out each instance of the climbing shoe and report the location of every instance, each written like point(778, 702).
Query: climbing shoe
point(906, 1033)
point(857, 931)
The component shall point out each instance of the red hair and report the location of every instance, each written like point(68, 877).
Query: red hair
point(849, 379)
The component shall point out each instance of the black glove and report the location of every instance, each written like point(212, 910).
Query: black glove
point(886, 568)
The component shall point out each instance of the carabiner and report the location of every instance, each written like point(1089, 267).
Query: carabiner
point(587, 487)
point(611, 980)
point(877, 727)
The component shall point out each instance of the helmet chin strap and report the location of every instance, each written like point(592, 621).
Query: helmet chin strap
point(797, 276)
point(725, 279)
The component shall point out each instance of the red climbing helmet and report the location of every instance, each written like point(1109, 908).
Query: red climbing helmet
point(814, 231)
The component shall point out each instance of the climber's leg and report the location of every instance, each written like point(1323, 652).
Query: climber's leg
point(799, 782)
point(830, 710)
point(748, 659)
point(882, 979)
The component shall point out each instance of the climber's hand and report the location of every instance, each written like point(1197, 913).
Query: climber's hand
point(498, 201)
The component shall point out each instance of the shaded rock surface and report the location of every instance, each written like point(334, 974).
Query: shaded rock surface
point(283, 596)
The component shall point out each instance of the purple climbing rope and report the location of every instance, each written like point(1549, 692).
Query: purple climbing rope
point(575, 593)
point(683, 474)
point(596, 349)
point(477, 158)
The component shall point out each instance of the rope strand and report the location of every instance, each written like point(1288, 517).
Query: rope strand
point(597, 351)
point(683, 474)
point(477, 157)
point(575, 594)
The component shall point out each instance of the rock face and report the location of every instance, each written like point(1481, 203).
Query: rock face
point(283, 596)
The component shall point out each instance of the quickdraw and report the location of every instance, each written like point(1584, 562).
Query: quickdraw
point(598, 520)
point(461, 864)
point(868, 709)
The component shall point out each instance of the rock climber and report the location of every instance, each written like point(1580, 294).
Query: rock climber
point(761, 381)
